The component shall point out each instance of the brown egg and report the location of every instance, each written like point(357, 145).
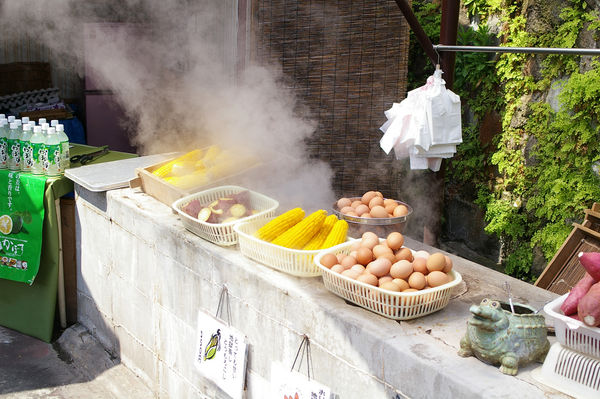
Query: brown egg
point(367, 197)
point(436, 262)
point(337, 268)
point(401, 269)
point(328, 260)
point(417, 280)
point(385, 278)
point(421, 254)
point(395, 240)
point(375, 201)
point(389, 208)
point(355, 204)
point(351, 213)
point(366, 215)
point(390, 256)
point(355, 245)
point(368, 278)
point(369, 234)
point(370, 242)
point(400, 210)
point(401, 283)
point(389, 201)
point(390, 286)
point(343, 202)
point(364, 255)
point(353, 274)
point(353, 254)
point(410, 290)
point(380, 249)
point(379, 267)
point(420, 265)
point(340, 257)
point(358, 268)
point(379, 212)
point(377, 193)
point(437, 278)
point(348, 262)
point(448, 266)
point(361, 209)
point(404, 254)
point(346, 209)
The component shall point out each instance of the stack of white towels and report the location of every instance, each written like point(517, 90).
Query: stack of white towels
point(425, 126)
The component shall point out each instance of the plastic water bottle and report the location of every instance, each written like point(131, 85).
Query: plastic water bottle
point(41, 120)
point(38, 148)
point(53, 123)
point(4, 143)
point(25, 120)
point(11, 119)
point(26, 149)
point(14, 147)
point(64, 145)
point(53, 148)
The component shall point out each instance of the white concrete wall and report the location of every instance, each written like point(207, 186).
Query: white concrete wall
point(143, 277)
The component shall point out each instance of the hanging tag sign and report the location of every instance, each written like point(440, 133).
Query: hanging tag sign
point(221, 354)
point(290, 384)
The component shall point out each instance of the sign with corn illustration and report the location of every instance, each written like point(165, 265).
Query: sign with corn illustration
point(21, 222)
point(221, 354)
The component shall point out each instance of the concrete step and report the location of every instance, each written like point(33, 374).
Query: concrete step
point(74, 366)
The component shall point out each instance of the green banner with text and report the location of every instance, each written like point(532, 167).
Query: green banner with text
point(21, 222)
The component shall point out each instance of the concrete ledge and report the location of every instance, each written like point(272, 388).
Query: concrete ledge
point(143, 277)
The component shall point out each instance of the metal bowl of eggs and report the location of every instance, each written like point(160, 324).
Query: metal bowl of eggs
point(372, 212)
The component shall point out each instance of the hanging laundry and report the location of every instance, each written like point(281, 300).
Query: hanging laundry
point(425, 126)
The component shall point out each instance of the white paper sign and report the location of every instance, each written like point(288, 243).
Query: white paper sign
point(221, 354)
point(286, 384)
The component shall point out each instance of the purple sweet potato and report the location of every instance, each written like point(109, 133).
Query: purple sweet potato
point(589, 306)
point(591, 263)
point(569, 306)
point(192, 208)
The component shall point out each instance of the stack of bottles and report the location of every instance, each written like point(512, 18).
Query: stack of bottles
point(40, 149)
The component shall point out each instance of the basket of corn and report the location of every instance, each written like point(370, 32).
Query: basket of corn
point(290, 241)
point(211, 214)
point(193, 171)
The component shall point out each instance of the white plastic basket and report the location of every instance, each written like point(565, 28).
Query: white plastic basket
point(292, 261)
point(393, 305)
point(570, 372)
point(572, 333)
point(223, 233)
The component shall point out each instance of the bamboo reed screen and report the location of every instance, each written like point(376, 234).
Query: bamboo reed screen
point(347, 61)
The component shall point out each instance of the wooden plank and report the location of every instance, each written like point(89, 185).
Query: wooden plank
point(67, 219)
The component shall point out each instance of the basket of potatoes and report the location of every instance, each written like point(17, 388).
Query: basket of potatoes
point(385, 277)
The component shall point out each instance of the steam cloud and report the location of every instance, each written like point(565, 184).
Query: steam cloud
point(176, 79)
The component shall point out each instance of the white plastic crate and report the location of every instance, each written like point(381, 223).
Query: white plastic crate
point(393, 305)
point(292, 261)
point(573, 333)
point(223, 233)
point(571, 372)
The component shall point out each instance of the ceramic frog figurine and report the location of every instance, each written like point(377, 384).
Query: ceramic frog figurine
point(498, 336)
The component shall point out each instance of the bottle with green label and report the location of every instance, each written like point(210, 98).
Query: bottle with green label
point(38, 149)
point(53, 149)
point(26, 149)
point(14, 147)
point(64, 146)
point(4, 143)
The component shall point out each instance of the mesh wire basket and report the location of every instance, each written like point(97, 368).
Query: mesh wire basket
point(393, 305)
point(223, 233)
point(291, 261)
point(573, 333)
point(570, 372)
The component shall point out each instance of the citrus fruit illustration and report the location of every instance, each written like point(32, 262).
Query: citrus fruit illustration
point(10, 224)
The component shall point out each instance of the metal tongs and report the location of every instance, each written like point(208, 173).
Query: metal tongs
point(86, 158)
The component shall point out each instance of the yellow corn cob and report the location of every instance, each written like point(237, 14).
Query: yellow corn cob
point(301, 233)
point(337, 234)
point(318, 239)
point(166, 168)
point(196, 179)
point(280, 224)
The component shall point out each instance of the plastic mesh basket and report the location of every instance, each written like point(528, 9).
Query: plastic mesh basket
point(223, 233)
point(573, 333)
point(570, 372)
point(292, 261)
point(393, 305)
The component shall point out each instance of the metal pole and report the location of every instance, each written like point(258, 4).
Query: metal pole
point(418, 29)
point(524, 50)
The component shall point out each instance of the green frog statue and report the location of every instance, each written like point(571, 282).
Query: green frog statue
point(496, 335)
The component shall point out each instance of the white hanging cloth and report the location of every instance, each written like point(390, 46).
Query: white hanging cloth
point(425, 126)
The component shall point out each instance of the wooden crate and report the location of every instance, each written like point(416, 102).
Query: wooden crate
point(564, 270)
